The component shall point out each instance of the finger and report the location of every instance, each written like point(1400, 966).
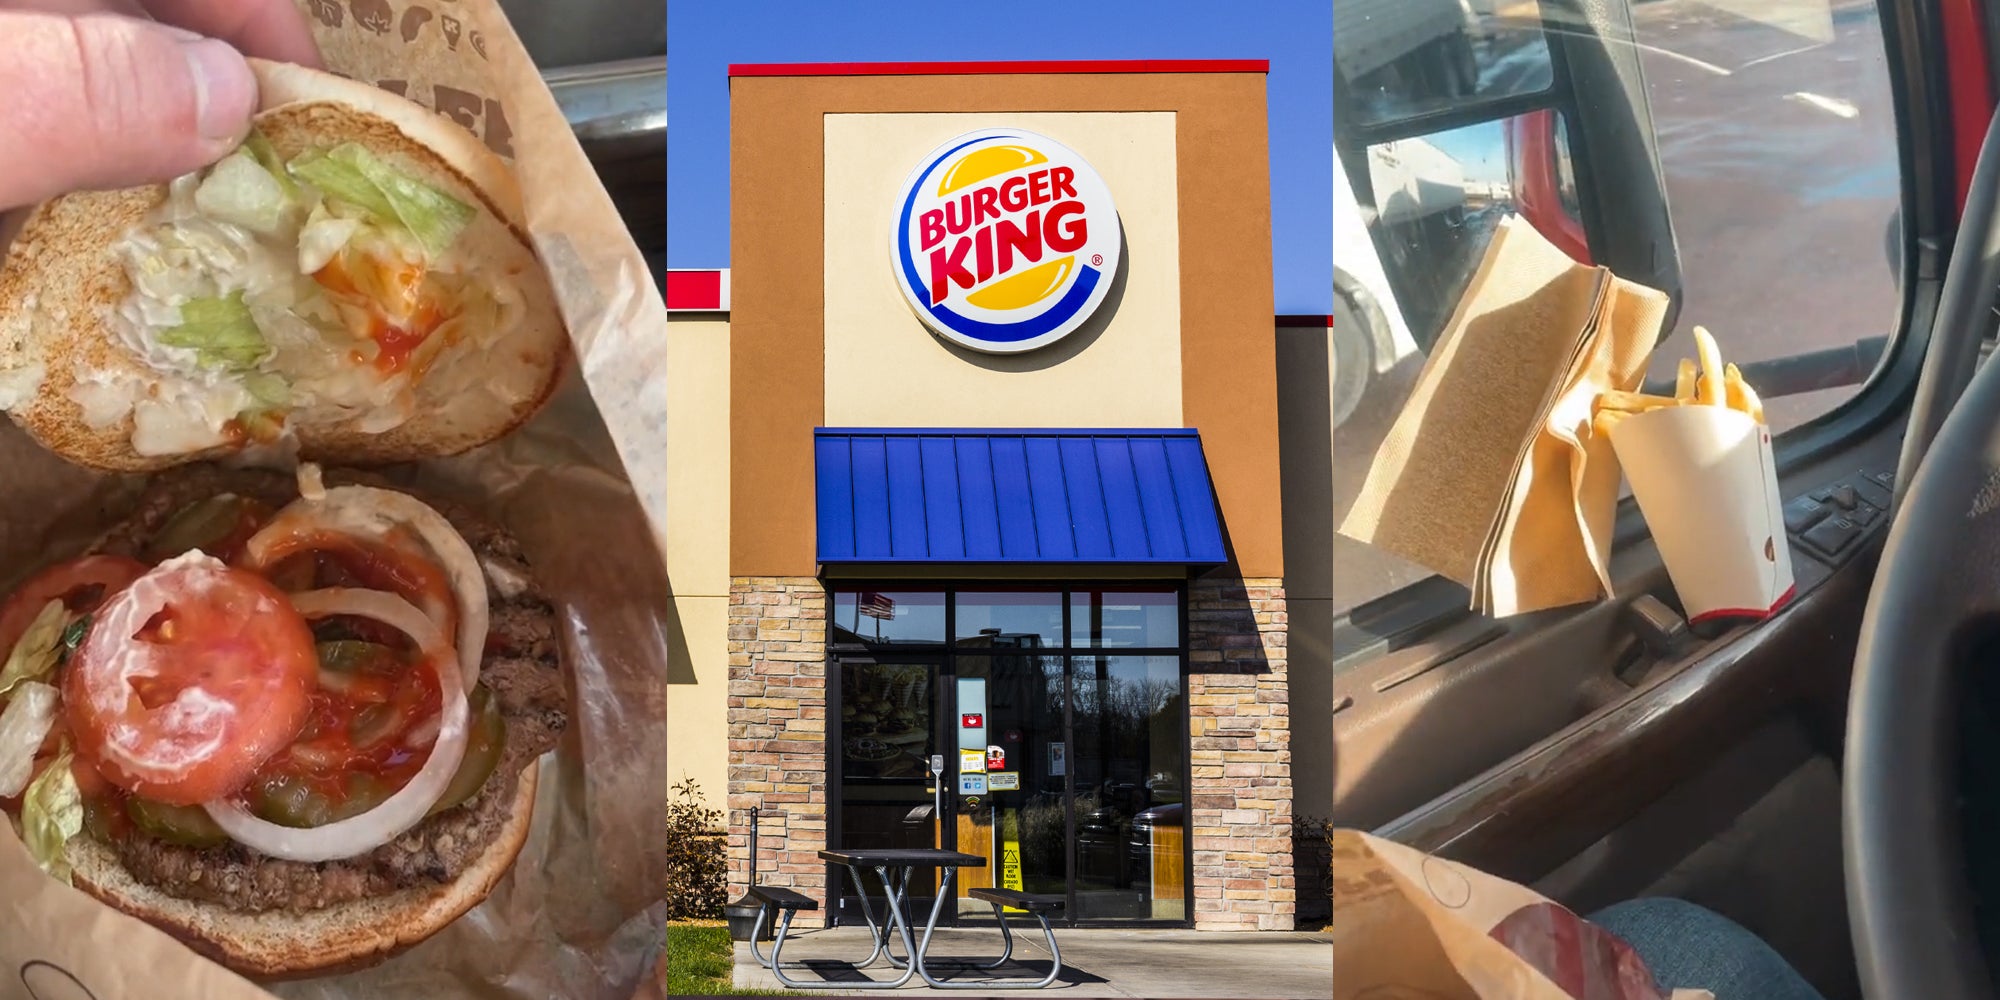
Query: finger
point(101, 101)
point(267, 29)
point(129, 8)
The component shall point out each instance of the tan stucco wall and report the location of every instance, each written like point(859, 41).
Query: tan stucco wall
point(1305, 449)
point(698, 552)
point(884, 368)
point(777, 193)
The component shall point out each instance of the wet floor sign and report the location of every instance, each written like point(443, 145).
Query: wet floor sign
point(1010, 856)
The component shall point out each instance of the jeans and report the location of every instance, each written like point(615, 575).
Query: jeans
point(1687, 946)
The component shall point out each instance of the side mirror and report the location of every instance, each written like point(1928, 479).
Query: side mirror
point(1450, 114)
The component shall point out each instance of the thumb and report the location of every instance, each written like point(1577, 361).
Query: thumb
point(101, 101)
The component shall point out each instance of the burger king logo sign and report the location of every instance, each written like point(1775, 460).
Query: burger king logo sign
point(1005, 240)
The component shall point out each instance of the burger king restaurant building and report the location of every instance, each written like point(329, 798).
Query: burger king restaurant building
point(976, 465)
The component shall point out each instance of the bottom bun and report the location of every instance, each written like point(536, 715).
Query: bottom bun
point(279, 944)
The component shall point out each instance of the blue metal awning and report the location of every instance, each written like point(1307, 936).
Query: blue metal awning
point(1018, 496)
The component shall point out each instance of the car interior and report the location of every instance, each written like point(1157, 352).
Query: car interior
point(1828, 777)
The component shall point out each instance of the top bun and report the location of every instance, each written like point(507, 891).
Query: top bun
point(64, 280)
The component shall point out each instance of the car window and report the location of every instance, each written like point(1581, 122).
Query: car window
point(1777, 139)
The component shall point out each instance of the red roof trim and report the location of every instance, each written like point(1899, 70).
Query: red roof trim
point(1290, 321)
point(694, 290)
point(969, 68)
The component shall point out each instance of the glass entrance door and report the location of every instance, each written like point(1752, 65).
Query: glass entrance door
point(1082, 783)
point(1126, 723)
point(1020, 822)
point(887, 732)
point(1061, 722)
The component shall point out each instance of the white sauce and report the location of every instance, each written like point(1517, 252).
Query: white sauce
point(178, 406)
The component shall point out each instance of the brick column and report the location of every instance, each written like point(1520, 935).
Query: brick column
point(777, 731)
point(1241, 757)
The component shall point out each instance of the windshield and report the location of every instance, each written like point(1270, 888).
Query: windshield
point(1765, 138)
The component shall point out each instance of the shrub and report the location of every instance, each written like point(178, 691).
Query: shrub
point(697, 858)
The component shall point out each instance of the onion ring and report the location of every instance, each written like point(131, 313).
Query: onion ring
point(360, 834)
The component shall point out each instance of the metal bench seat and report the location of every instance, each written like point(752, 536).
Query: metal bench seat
point(1031, 902)
point(782, 898)
point(1039, 906)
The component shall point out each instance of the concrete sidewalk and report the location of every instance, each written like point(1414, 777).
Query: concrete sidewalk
point(1096, 963)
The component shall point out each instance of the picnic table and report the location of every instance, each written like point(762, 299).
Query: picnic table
point(893, 867)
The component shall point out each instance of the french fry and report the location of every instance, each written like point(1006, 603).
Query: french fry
point(1632, 402)
point(1605, 420)
point(1684, 382)
point(1751, 404)
point(1709, 390)
point(1733, 388)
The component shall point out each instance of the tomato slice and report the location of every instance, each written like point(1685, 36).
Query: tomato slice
point(190, 679)
point(83, 584)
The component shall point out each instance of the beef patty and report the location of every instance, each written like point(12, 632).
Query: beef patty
point(522, 671)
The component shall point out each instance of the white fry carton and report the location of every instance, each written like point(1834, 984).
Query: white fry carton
point(1704, 478)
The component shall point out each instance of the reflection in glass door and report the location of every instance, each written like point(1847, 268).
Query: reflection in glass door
point(1019, 823)
point(887, 734)
point(1126, 725)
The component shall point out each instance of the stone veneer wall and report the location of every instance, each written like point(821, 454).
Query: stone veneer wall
point(1241, 756)
point(777, 732)
point(1241, 799)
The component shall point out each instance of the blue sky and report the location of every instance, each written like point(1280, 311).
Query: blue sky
point(1481, 149)
point(705, 36)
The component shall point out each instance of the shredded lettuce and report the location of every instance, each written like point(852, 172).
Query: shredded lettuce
point(323, 237)
point(220, 331)
point(266, 155)
point(240, 191)
point(269, 389)
point(25, 723)
point(34, 657)
point(338, 179)
point(354, 175)
point(52, 813)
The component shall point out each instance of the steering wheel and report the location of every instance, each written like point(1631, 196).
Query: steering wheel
point(1936, 592)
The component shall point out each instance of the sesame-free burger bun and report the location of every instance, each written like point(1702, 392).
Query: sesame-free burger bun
point(279, 944)
point(62, 280)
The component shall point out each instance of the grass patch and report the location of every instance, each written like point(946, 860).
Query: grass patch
point(701, 961)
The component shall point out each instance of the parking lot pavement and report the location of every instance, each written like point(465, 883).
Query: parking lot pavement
point(1096, 962)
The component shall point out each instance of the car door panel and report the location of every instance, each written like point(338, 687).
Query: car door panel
point(1552, 799)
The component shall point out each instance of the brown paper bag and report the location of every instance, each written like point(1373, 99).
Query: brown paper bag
point(1490, 475)
point(580, 914)
point(1409, 924)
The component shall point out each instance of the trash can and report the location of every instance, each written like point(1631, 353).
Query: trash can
point(742, 918)
point(741, 913)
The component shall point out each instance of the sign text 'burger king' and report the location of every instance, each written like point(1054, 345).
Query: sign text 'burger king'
point(1006, 240)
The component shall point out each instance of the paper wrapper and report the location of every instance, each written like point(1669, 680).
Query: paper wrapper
point(1704, 478)
point(1407, 924)
point(580, 914)
point(1490, 475)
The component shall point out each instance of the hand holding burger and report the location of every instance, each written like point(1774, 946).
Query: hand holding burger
point(110, 93)
point(292, 721)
